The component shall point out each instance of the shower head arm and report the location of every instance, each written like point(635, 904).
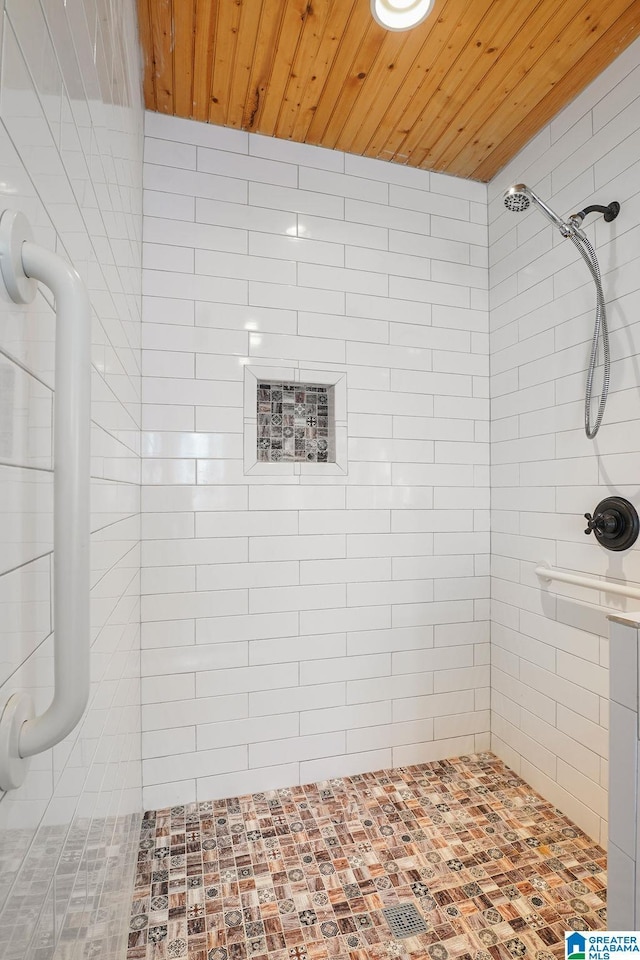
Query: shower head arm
point(610, 212)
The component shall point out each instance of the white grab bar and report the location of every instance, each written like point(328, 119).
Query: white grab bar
point(545, 572)
point(22, 264)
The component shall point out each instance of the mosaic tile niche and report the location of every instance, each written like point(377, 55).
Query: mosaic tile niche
point(296, 422)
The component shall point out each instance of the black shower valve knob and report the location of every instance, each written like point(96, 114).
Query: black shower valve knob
point(605, 522)
point(614, 523)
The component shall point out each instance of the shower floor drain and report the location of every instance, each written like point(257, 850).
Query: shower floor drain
point(404, 921)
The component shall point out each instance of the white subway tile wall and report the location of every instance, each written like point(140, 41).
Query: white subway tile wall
point(549, 645)
point(297, 627)
point(71, 147)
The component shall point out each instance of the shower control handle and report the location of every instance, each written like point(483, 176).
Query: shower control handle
point(605, 522)
point(614, 523)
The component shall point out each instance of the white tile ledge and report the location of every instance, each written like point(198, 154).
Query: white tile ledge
point(627, 619)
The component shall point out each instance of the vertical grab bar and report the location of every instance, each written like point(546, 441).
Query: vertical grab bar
point(22, 735)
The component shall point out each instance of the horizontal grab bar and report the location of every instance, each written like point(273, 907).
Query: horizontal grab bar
point(545, 572)
point(22, 735)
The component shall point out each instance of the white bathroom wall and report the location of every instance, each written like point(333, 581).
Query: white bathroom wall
point(302, 627)
point(549, 646)
point(71, 159)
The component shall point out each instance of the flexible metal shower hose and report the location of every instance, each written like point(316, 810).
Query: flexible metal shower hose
point(600, 332)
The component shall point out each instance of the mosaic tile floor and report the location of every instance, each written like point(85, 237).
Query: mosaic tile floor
point(306, 872)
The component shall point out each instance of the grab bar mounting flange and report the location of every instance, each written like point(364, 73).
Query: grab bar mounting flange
point(15, 230)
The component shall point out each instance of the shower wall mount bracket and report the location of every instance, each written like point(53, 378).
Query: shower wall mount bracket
point(23, 734)
point(15, 230)
point(13, 766)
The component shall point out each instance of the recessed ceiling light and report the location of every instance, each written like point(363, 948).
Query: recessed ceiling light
point(400, 14)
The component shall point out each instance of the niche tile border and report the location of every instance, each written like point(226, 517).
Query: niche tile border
point(291, 373)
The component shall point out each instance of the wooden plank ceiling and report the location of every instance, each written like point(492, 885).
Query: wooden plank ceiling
point(461, 93)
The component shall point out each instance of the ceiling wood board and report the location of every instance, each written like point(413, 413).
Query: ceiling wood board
point(461, 93)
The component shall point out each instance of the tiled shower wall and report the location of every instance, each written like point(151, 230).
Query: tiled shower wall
point(549, 647)
point(70, 146)
point(302, 627)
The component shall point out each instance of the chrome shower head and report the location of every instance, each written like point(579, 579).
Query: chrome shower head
point(517, 198)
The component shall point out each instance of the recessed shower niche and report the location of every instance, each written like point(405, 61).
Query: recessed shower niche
point(295, 421)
